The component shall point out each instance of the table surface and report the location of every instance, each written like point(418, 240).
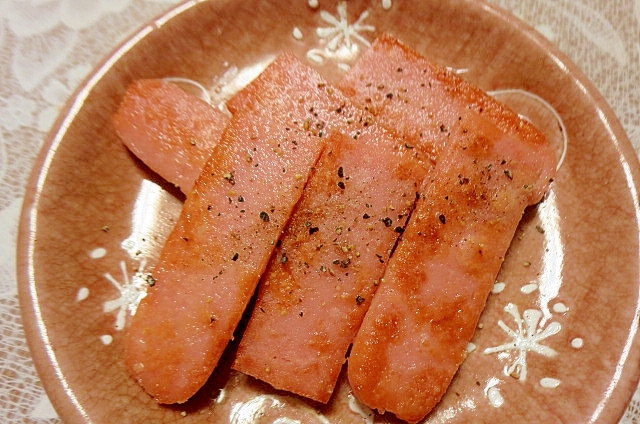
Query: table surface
point(48, 47)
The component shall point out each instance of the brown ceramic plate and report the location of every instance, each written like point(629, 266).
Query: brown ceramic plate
point(559, 338)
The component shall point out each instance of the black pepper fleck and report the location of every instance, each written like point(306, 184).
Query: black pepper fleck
point(229, 177)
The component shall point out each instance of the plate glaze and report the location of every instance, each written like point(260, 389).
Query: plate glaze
point(558, 341)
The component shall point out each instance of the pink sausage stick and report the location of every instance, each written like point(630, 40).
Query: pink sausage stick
point(414, 335)
point(229, 225)
point(418, 100)
point(321, 279)
point(172, 131)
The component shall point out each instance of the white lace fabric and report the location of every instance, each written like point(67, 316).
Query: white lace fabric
point(48, 46)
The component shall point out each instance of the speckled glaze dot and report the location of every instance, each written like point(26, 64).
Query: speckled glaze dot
point(498, 287)
point(560, 308)
point(577, 343)
point(549, 383)
point(83, 294)
point(97, 253)
point(106, 339)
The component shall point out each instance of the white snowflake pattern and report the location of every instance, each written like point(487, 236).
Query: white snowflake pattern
point(132, 291)
point(341, 36)
point(525, 338)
